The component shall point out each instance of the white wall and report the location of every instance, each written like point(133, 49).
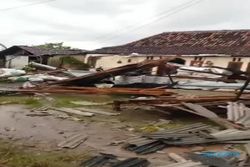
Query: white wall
point(245, 61)
point(112, 61)
point(17, 62)
point(107, 61)
point(221, 61)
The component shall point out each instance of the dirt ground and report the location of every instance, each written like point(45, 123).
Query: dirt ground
point(44, 133)
point(41, 134)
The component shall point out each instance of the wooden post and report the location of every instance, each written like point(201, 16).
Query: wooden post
point(243, 88)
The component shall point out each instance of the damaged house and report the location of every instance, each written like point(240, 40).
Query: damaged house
point(20, 56)
point(223, 48)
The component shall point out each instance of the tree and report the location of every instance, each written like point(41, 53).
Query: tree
point(58, 46)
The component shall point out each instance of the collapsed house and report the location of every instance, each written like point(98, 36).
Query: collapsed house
point(223, 48)
point(229, 110)
point(20, 56)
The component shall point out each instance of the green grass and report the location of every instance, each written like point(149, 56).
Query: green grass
point(33, 102)
point(75, 62)
point(65, 100)
point(12, 156)
point(26, 100)
point(55, 100)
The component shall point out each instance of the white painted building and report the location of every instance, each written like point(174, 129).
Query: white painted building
point(20, 56)
point(223, 48)
point(17, 62)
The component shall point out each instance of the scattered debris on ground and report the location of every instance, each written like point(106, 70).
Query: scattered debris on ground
point(214, 100)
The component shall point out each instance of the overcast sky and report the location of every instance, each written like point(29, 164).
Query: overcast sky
point(90, 24)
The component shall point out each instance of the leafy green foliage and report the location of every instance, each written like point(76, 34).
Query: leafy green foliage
point(58, 46)
point(74, 62)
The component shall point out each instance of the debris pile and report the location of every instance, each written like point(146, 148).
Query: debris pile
point(112, 161)
point(161, 91)
point(207, 159)
point(195, 134)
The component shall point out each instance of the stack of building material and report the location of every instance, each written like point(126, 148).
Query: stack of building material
point(195, 134)
point(94, 78)
point(93, 90)
point(108, 160)
point(156, 141)
point(98, 161)
point(238, 113)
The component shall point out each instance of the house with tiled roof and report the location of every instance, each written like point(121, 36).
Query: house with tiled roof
point(224, 48)
point(19, 56)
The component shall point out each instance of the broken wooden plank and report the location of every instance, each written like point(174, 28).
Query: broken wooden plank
point(73, 142)
point(93, 90)
point(185, 164)
point(204, 112)
point(73, 111)
point(177, 157)
point(182, 162)
point(93, 78)
point(95, 111)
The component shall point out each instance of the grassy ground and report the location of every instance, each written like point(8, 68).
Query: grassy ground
point(142, 121)
point(13, 156)
point(54, 101)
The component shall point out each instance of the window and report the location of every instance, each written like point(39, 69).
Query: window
point(198, 58)
point(239, 59)
point(129, 60)
point(160, 57)
point(234, 59)
point(119, 62)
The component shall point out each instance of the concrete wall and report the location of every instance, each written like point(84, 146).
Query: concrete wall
point(17, 62)
point(112, 61)
point(246, 61)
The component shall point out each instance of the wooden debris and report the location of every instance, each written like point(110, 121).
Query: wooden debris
point(40, 114)
point(177, 157)
point(91, 79)
point(74, 111)
point(73, 141)
point(93, 90)
point(238, 113)
point(95, 111)
point(182, 162)
point(202, 111)
point(88, 103)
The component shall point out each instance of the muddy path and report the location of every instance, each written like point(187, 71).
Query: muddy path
point(43, 133)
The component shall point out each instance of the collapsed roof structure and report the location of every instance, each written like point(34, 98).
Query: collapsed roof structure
point(38, 51)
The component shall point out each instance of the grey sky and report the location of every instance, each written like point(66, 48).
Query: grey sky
point(90, 24)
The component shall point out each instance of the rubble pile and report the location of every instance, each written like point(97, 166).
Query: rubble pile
point(228, 109)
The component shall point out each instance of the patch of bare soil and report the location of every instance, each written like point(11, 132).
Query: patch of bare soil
point(43, 133)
